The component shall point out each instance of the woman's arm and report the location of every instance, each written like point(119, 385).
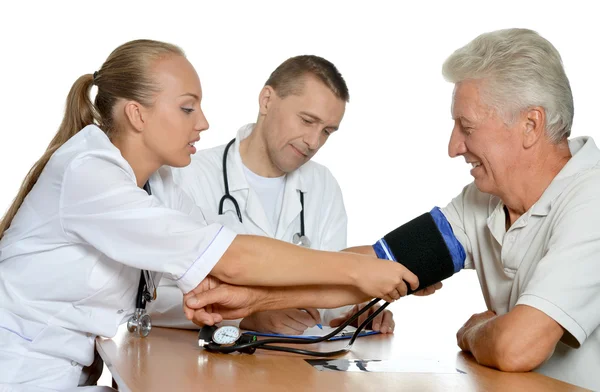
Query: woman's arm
point(261, 261)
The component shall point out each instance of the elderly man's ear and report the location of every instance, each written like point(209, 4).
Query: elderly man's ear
point(534, 126)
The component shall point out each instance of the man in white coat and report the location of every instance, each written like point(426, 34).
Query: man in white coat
point(274, 189)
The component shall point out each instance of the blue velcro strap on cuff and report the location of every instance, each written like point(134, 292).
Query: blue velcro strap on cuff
point(382, 250)
point(457, 252)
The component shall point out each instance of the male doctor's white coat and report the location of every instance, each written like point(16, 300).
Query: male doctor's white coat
point(325, 217)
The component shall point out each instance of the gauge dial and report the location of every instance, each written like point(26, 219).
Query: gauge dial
point(227, 334)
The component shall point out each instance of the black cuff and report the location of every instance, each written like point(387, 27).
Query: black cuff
point(420, 247)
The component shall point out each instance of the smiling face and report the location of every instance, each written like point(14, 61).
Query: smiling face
point(174, 122)
point(482, 138)
point(297, 126)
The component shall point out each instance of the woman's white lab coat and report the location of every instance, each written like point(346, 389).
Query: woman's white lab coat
point(70, 261)
point(324, 213)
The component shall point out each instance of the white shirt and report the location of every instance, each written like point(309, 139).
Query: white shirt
point(324, 213)
point(270, 193)
point(70, 261)
point(548, 259)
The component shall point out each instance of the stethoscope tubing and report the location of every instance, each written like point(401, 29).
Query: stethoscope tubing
point(227, 195)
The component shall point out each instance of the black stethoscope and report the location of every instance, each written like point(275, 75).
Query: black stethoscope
point(299, 238)
point(140, 322)
point(228, 338)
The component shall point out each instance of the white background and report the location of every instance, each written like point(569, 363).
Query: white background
point(390, 155)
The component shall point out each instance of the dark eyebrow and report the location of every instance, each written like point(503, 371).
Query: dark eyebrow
point(317, 119)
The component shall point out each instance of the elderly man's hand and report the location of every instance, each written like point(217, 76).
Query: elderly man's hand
point(475, 321)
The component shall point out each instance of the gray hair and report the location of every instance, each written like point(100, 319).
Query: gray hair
point(519, 69)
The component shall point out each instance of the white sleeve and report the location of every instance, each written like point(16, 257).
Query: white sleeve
point(102, 207)
point(167, 309)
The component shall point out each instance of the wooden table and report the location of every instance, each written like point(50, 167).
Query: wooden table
point(170, 360)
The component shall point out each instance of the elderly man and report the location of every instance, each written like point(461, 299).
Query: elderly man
point(528, 224)
point(529, 221)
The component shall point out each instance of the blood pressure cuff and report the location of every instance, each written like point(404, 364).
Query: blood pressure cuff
point(426, 246)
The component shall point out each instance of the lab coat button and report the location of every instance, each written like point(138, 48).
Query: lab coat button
point(120, 311)
point(73, 363)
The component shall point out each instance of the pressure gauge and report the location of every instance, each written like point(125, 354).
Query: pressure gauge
point(226, 335)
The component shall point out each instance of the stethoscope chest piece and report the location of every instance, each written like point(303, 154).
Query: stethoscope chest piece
point(140, 322)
